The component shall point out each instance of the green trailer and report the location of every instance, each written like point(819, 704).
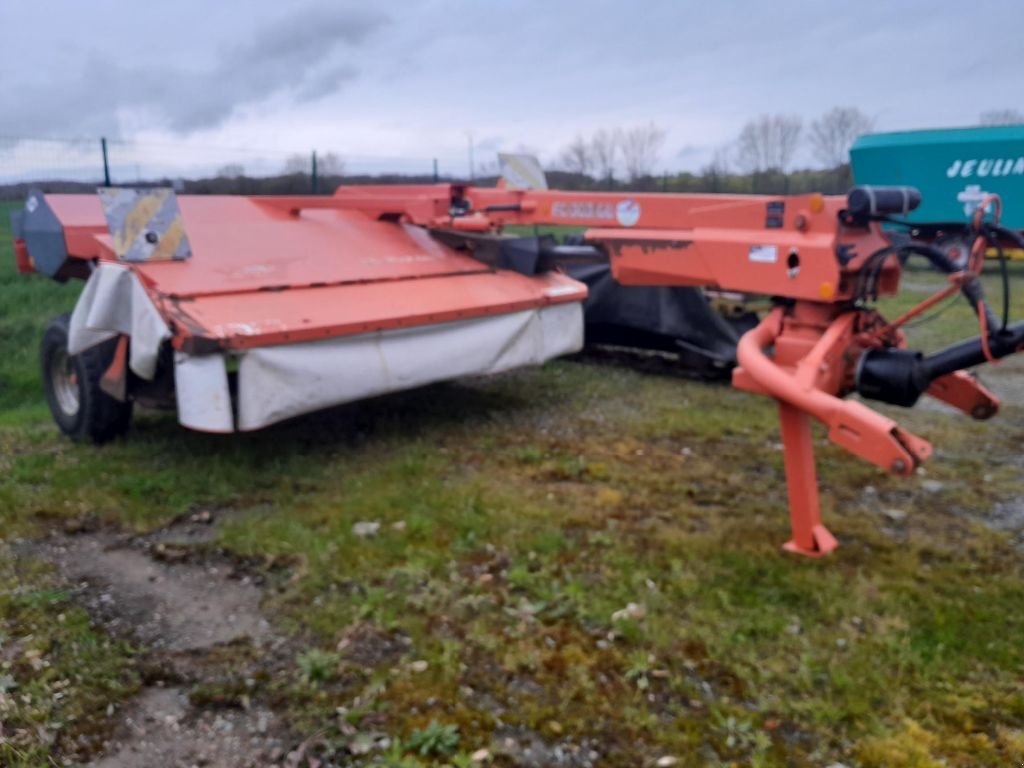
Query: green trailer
point(953, 167)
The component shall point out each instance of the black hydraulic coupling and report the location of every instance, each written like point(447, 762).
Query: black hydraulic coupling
point(900, 376)
point(895, 376)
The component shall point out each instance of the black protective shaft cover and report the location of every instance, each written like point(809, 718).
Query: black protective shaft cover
point(668, 319)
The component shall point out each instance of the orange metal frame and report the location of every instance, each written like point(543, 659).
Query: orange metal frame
point(796, 249)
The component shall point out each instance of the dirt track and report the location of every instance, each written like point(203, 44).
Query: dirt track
point(150, 589)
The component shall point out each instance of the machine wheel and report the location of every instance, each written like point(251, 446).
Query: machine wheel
point(81, 409)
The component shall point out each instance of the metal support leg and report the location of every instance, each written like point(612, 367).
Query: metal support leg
point(810, 537)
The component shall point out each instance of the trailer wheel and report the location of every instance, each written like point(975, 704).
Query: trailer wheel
point(81, 409)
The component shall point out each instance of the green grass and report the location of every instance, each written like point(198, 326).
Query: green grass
point(953, 319)
point(25, 306)
point(519, 516)
point(58, 674)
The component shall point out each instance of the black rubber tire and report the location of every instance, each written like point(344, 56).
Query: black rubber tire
point(98, 416)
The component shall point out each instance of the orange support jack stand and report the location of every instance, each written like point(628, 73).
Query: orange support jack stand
point(810, 536)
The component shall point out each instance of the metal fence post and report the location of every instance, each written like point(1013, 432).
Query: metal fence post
point(106, 164)
point(313, 177)
point(436, 178)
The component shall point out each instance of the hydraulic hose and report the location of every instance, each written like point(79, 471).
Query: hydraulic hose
point(900, 376)
point(970, 352)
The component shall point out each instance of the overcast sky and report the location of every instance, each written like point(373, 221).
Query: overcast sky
point(411, 79)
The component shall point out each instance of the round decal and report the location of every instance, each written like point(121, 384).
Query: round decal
point(628, 212)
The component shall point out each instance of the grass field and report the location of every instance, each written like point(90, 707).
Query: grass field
point(520, 518)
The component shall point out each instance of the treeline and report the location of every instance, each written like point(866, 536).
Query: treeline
point(759, 159)
point(284, 184)
point(835, 181)
point(797, 182)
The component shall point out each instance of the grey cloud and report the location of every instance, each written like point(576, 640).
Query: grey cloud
point(531, 71)
point(309, 34)
point(297, 54)
point(326, 82)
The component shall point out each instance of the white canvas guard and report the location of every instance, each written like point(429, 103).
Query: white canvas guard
point(277, 383)
point(202, 392)
point(113, 303)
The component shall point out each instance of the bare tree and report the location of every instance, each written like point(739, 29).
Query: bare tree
point(768, 143)
point(330, 164)
point(1001, 117)
point(832, 134)
point(604, 146)
point(640, 146)
point(231, 171)
point(720, 162)
point(297, 163)
point(577, 157)
point(714, 173)
point(488, 168)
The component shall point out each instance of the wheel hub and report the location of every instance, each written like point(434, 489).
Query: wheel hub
point(65, 382)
